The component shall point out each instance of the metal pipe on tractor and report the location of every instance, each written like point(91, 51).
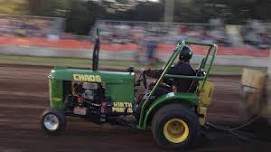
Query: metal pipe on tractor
point(96, 51)
point(175, 118)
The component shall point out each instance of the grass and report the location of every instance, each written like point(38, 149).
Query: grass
point(104, 64)
point(56, 61)
point(233, 70)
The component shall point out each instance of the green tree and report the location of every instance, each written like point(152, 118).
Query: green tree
point(148, 12)
point(235, 11)
point(82, 14)
point(49, 7)
point(13, 7)
point(82, 17)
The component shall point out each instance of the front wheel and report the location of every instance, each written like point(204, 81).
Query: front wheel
point(53, 122)
point(175, 126)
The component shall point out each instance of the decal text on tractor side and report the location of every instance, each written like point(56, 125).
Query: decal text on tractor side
point(122, 107)
point(86, 77)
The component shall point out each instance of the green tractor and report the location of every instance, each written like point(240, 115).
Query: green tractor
point(175, 118)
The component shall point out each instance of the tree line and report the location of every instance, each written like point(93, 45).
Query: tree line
point(81, 15)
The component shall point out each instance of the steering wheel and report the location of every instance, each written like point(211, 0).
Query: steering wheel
point(142, 78)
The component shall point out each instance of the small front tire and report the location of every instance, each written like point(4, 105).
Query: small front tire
point(53, 122)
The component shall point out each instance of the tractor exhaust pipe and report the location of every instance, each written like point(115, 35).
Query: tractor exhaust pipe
point(96, 51)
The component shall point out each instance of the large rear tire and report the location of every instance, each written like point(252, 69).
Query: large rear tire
point(53, 122)
point(175, 126)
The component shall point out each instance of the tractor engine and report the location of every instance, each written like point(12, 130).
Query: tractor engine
point(88, 99)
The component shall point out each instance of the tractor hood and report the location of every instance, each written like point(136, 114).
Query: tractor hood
point(72, 74)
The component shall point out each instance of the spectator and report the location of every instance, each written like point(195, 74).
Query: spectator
point(255, 35)
point(151, 43)
point(137, 34)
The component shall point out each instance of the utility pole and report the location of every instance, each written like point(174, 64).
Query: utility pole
point(169, 11)
point(268, 91)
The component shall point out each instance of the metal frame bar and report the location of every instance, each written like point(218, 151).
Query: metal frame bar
point(212, 50)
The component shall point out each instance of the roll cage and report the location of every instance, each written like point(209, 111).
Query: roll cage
point(205, 66)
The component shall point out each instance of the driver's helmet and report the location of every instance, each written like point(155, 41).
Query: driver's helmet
point(185, 54)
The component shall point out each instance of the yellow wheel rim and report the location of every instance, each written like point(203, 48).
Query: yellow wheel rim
point(176, 130)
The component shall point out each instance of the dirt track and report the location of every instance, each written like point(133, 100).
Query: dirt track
point(24, 95)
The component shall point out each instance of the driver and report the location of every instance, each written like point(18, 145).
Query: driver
point(183, 67)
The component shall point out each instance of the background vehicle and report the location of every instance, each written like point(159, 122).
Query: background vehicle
point(109, 96)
